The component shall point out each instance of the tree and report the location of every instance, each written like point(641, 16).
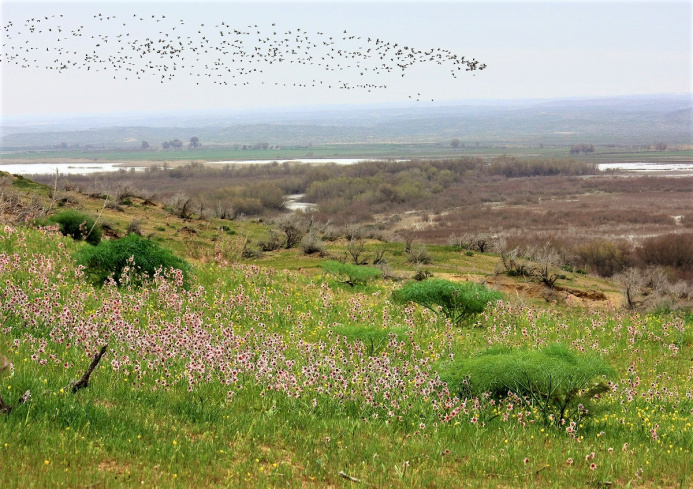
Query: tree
point(457, 301)
point(455, 143)
point(350, 274)
point(78, 226)
point(293, 227)
point(145, 146)
point(194, 142)
point(604, 257)
point(356, 248)
point(585, 148)
point(560, 383)
point(130, 255)
point(182, 205)
point(546, 259)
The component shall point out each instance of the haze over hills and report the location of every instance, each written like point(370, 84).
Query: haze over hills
point(628, 120)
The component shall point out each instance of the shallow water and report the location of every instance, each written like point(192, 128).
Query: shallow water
point(85, 168)
point(65, 168)
point(646, 167)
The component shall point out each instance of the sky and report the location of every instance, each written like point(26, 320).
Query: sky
point(540, 49)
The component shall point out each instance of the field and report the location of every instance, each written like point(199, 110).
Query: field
point(270, 372)
point(606, 154)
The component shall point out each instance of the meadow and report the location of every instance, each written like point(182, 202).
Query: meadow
point(245, 375)
point(378, 150)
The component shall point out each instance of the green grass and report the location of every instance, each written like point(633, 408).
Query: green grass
point(150, 430)
point(362, 150)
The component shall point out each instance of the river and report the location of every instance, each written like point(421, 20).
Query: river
point(97, 167)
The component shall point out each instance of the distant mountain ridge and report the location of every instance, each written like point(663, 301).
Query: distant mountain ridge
point(608, 120)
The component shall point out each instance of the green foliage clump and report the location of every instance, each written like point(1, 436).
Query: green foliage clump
point(374, 339)
point(25, 183)
point(78, 225)
point(133, 253)
point(556, 380)
point(350, 274)
point(457, 301)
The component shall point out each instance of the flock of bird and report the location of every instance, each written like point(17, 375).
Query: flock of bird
point(217, 52)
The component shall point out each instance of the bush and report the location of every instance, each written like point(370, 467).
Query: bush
point(604, 257)
point(669, 250)
point(350, 274)
point(457, 301)
point(311, 243)
point(79, 226)
point(272, 242)
point(114, 258)
point(555, 380)
point(373, 339)
point(293, 226)
point(419, 255)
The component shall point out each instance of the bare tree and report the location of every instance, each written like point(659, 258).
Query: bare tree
point(546, 259)
point(293, 226)
point(483, 242)
point(512, 262)
point(272, 242)
point(379, 256)
point(353, 231)
point(182, 205)
point(311, 243)
point(420, 255)
point(631, 281)
point(356, 248)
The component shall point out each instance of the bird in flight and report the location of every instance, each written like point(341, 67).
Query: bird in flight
point(163, 48)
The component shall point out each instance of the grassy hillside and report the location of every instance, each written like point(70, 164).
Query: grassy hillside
point(271, 373)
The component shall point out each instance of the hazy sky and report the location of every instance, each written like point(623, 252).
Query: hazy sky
point(533, 50)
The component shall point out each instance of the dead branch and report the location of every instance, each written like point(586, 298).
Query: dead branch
point(84, 380)
point(7, 409)
point(4, 408)
point(346, 476)
point(97, 217)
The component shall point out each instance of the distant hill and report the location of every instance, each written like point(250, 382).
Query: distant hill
point(621, 120)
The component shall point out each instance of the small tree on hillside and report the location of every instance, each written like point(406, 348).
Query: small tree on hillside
point(78, 226)
point(561, 384)
point(457, 301)
point(356, 248)
point(350, 274)
point(128, 259)
point(293, 227)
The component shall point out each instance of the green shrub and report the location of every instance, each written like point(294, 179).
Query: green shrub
point(78, 225)
point(457, 301)
point(350, 274)
point(137, 254)
point(555, 380)
point(374, 339)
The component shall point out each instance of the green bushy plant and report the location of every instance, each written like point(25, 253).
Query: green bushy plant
point(78, 225)
point(457, 301)
point(557, 381)
point(374, 339)
point(143, 256)
point(350, 274)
